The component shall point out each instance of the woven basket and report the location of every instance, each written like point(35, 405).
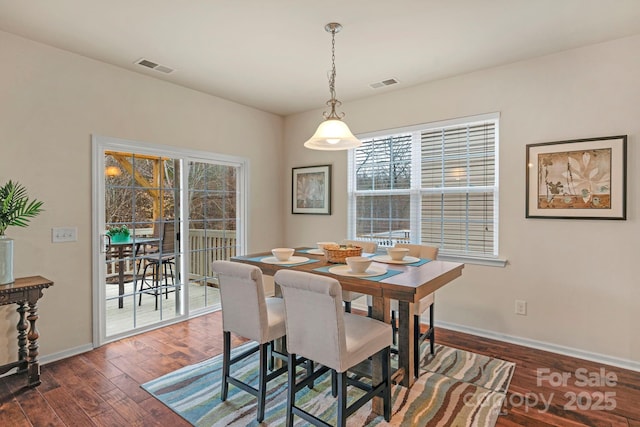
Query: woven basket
point(339, 255)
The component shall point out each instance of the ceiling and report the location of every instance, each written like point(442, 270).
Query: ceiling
point(275, 55)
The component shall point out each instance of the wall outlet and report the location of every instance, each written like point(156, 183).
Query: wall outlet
point(64, 234)
point(521, 307)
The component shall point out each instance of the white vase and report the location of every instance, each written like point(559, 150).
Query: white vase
point(6, 260)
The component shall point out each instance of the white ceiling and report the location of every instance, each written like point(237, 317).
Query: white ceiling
point(275, 55)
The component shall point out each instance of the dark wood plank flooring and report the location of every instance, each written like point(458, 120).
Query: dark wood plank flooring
point(102, 387)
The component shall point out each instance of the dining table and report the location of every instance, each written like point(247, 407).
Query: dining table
point(407, 283)
point(133, 244)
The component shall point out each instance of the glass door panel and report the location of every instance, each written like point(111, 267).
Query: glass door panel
point(143, 281)
point(213, 210)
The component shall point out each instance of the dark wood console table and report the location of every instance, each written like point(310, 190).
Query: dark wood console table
point(25, 292)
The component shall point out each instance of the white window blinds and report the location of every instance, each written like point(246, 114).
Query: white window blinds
point(429, 184)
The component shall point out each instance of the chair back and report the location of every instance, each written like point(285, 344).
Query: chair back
point(420, 251)
point(366, 245)
point(244, 310)
point(168, 237)
point(314, 316)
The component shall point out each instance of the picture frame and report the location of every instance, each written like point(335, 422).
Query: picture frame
point(311, 190)
point(577, 179)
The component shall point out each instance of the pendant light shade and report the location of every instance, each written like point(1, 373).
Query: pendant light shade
point(333, 134)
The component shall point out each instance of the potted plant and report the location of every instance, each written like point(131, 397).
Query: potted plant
point(15, 210)
point(119, 234)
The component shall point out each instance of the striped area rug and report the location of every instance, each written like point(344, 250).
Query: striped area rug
point(455, 388)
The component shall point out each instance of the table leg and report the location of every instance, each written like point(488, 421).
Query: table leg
point(379, 311)
point(405, 342)
point(22, 335)
point(33, 367)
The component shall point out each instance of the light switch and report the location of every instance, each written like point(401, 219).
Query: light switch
point(64, 234)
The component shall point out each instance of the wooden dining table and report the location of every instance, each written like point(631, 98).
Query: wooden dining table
point(408, 286)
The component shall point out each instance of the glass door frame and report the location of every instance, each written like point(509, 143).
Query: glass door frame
point(101, 144)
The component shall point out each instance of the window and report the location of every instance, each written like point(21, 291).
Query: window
point(432, 184)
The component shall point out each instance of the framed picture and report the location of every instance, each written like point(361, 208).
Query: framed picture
point(577, 179)
point(311, 190)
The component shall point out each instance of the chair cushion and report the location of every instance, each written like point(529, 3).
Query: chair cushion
point(276, 320)
point(420, 307)
point(364, 337)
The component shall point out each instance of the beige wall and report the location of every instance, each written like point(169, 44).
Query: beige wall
point(51, 101)
point(578, 277)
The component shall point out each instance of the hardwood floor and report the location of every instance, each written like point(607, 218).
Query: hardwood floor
point(102, 387)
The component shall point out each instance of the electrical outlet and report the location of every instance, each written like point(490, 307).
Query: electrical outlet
point(64, 234)
point(521, 307)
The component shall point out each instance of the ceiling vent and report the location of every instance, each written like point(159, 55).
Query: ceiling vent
point(154, 66)
point(383, 83)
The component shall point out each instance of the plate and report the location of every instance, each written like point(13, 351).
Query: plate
point(291, 260)
point(388, 260)
point(345, 270)
point(315, 251)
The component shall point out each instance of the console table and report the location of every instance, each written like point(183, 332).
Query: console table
point(25, 292)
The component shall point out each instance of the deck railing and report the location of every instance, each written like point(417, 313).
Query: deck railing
point(204, 246)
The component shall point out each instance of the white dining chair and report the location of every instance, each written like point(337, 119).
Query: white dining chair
point(246, 312)
point(369, 247)
point(418, 251)
point(318, 329)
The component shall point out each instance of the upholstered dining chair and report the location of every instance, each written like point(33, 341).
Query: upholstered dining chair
point(248, 313)
point(369, 247)
point(418, 251)
point(318, 329)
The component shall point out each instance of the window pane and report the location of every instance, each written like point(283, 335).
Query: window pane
point(383, 164)
point(453, 196)
point(382, 217)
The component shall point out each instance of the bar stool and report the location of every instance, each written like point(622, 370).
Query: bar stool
point(246, 312)
point(318, 329)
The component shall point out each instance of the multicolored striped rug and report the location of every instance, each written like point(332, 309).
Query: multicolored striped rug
point(455, 388)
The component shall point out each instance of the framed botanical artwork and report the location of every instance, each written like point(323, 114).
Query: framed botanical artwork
point(311, 190)
point(577, 179)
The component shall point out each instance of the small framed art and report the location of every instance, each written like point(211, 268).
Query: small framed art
point(311, 190)
point(577, 179)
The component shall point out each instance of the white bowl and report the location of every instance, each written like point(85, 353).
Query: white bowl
point(321, 245)
point(282, 254)
point(397, 254)
point(358, 264)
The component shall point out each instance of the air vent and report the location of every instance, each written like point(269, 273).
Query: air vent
point(383, 83)
point(154, 66)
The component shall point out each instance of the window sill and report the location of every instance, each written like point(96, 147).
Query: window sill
point(489, 262)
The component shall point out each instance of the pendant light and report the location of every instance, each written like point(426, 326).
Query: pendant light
point(333, 133)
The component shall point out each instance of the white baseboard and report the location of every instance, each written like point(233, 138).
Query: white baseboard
point(526, 342)
point(541, 345)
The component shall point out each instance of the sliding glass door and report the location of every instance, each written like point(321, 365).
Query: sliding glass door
point(161, 215)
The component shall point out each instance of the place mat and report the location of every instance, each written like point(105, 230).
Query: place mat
point(312, 251)
point(261, 258)
point(389, 273)
point(387, 259)
point(345, 270)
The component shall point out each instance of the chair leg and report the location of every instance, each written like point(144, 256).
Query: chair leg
point(416, 345)
point(386, 375)
point(226, 356)
point(262, 382)
point(347, 306)
point(432, 329)
point(342, 399)
point(291, 391)
point(394, 327)
point(334, 383)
